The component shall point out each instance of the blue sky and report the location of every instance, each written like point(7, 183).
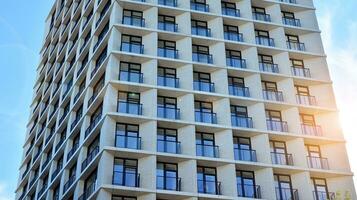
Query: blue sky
point(21, 33)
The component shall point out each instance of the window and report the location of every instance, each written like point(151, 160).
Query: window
point(123, 198)
point(302, 90)
point(125, 172)
point(202, 82)
point(283, 187)
point(199, 5)
point(205, 145)
point(207, 180)
point(243, 149)
point(167, 140)
point(297, 63)
point(199, 49)
point(288, 15)
point(233, 54)
point(167, 107)
point(269, 86)
point(239, 111)
point(265, 59)
point(90, 184)
point(127, 136)
point(167, 48)
point(261, 33)
point(320, 189)
point(167, 23)
point(130, 72)
point(129, 102)
point(258, 10)
point(131, 43)
point(167, 176)
point(132, 17)
point(279, 153)
point(167, 77)
point(307, 119)
point(246, 184)
point(200, 28)
point(230, 9)
point(201, 106)
point(292, 38)
point(273, 115)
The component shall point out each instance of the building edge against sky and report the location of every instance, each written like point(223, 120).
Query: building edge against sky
point(186, 99)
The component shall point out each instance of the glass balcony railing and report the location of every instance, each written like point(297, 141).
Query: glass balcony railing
point(291, 22)
point(69, 183)
point(88, 191)
point(168, 53)
point(238, 91)
point(268, 67)
point(233, 36)
point(93, 124)
point(168, 146)
point(168, 183)
point(288, 1)
point(281, 158)
point(168, 81)
point(236, 62)
point(201, 31)
point(303, 72)
point(89, 158)
point(261, 17)
point(306, 100)
point(130, 76)
point(206, 117)
point(245, 155)
point(134, 21)
point(321, 195)
point(209, 187)
point(298, 46)
point(249, 191)
point(241, 121)
point(130, 108)
point(313, 130)
point(203, 86)
point(166, 26)
point(132, 47)
point(206, 150)
point(167, 112)
point(286, 194)
point(202, 58)
point(128, 142)
point(172, 3)
point(231, 12)
point(318, 162)
point(128, 179)
point(199, 7)
point(273, 95)
point(265, 41)
point(72, 151)
point(275, 125)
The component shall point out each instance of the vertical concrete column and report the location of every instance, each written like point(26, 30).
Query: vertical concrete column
point(187, 107)
point(184, 49)
point(216, 25)
point(224, 139)
point(147, 170)
point(301, 182)
point(279, 37)
point(184, 20)
point(214, 6)
point(260, 143)
point(258, 112)
point(187, 137)
point(219, 78)
point(149, 69)
point(148, 132)
point(107, 139)
point(283, 61)
point(291, 116)
point(110, 101)
point(105, 164)
point(112, 69)
point(245, 8)
point(251, 57)
point(223, 110)
point(275, 13)
point(149, 101)
point(226, 174)
point(253, 83)
point(151, 17)
point(296, 147)
point(117, 14)
point(217, 50)
point(185, 74)
point(150, 44)
point(288, 89)
point(187, 172)
point(264, 178)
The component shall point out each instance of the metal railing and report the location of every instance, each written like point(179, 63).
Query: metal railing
point(282, 158)
point(168, 81)
point(233, 36)
point(168, 146)
point(245, 155)
point(93, 124)
point(303, 72)
point(298, 46)
point(239, 91)
point(240, 121)
point(236, 62)
point(286, 194)
point(88, 191)
point(207, 150)
point(166, 26)
point(202, 58)
point(292, 22)
point(128, 142)
point(133, 21)
point(276, 125)
point(201, 31)
point(306, 100)
point(209, 187)
point(249, 191)
point(203, 86)
point(231, 12)
point(268, 67)
point(317, 162)
point(313, 130)
point(89, 158)
point(129, 179)
point(273, 95)
point(130, 76)
point(320, 195)
point(265, 41)
point(206, 117)
point(199, 7)
point(132, 47)
point(168, 53)
point(261, 17)
point(167, 112)
point(172, 3)
point(168, 183)
point(130, 108)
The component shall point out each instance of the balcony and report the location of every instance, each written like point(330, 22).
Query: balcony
point(69, 183)
point(128, 179)
point(319, 195)
point(168, 53)
point(93, 124)
point(245, 155)
point(275, 125)
point(44, 164)
point(166, 26)
point(249, 191)
point(286, 194)
point(209, 187)
point(206, 117)
point(43, 189)
point(231, 12)
point(131, 76)
point(240, 121)
point(288, 1)
point(297, 46)
point(88, 191)
point(239, 91)
point(318, 163)
point(168, 146)
point(268, 67)
point(128, 142)
point(261, 17)
point(203, 86)
point(236, 62)
point(132, 47)
point(302, 72)
point(134, 21)
point(291, 22)
point(265, 41)
point(72, 151)
point(167, 112)
point(202, 58)
point(168, 81)
point(201, 31)
point(233, 36)
point(172, 3)
point(282, 158)
point(56, 172)
point(75, 122)
point(271, 95)
point(306, 100)
point(199, 7)
point(206, 150)
point(168, 183)
point(312, 130)
point(89, 158)
point(130, 108)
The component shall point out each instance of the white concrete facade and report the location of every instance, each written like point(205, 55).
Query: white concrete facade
point(254, 113)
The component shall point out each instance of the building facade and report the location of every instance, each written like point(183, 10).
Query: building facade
point(183, 99)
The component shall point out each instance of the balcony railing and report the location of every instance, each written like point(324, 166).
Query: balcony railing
point(296, 46)
point(168, 81)
point(166, 26)
point(273, 95)
point(75, 122)
point(231, 12)
point(209, 187)
point(199, 7)
point(128, 142)
point(167, 112)
point(207, 150)
point(168, 183)
point(240, 121)
point(275, 125)
point(319, 195)
point(282, 158)
point(303, 72)
point(249, 191)
point(313, 130)
point(306, 100)
point(265, 41)
point(56, 172)
point(89, 158)
point(72, 151)
point(245, 155)
point(261, 17)
point(317, 162)
point(268, 67)
point(286, 194)
point(168, 53)
point(132, 47)
point(201, 31)
point(130, 108)
point(236, 62)
point(69, 183)
point(202, 58)
point(233, 36)
point(93, 124)
point(88, 191)
point(292, 22)
point(172, 3)
point(129, 76)
point(168, 146)
point(203, 86)
point(288, 1)
point(128, 179)
point(239, 91)
point(134, 21)
point(44, 164)
point(206, 117)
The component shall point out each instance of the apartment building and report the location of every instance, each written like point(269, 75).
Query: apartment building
point(183, 99)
